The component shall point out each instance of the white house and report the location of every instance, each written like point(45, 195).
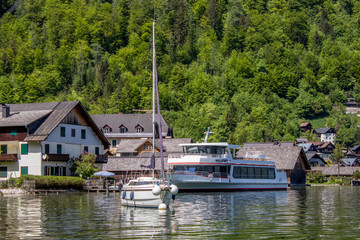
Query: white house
point(326, 134)
point(43, 138)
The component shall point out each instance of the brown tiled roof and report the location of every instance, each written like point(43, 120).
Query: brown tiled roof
point(285, 157)
point(316, 144)
point(325, 145)
point(304, 124)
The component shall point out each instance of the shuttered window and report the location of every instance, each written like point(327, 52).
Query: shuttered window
point(47, 148)
point(24, 170)
point(24, 149)
point(62, 131)
point(3, 172)
point(59, 149)
point(83, 134)
point(3, 149)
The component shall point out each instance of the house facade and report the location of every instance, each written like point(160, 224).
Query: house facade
point(43, 138)
point(118, 127)
point(305, 126)
point(326, 134)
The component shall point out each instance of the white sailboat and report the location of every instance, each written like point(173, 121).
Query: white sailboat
point(150, 191)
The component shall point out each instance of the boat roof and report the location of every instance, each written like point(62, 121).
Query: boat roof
point(221, 144)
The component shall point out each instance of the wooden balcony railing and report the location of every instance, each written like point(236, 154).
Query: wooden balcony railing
point(101, 159)
point(57, 157)
point(8, 157)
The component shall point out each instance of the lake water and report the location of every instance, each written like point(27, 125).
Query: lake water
point(311, 213)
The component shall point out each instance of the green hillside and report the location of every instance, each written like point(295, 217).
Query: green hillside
point(252, 70)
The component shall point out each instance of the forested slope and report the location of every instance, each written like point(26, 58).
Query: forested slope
point(252, 70)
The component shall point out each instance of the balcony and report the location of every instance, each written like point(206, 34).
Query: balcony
point(8, 157)
point(101, 159)
point(57, 157)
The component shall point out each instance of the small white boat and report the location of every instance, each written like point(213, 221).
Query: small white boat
point(150, 191)
point(147, 192)
point(215, 167)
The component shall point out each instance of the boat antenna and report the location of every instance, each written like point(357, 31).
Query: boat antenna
point(207, 134)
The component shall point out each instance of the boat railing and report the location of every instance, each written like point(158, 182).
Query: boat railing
point(181, 155)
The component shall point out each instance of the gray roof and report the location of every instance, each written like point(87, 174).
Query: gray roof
point(133, 163)
point(285, 157)
point(47, 117)
point(301, 139)
point(334, 170)
point(305, 146)
point(170, 145)
point(348, 161)
point(324, 130)
point(25, 118)
point(268, 144)
point(130, 121)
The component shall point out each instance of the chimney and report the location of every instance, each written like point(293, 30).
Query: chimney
point(5, 110)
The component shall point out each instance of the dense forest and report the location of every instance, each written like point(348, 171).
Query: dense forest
point(251, 70)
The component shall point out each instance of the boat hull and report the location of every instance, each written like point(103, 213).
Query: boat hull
point(184, 183)
point(144, 198)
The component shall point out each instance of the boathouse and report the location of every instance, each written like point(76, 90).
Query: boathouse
point(287, 158)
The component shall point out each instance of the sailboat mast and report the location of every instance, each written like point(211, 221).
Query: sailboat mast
point(153, 95)
point(153, 117)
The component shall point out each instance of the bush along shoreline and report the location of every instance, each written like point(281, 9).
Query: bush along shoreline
point(317, 178)
point(43, 183)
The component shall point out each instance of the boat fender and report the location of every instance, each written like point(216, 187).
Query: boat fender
point(120, 186)
point(174, 189)
point(124, 195)
point(132, 195)
point(173, 197)
point(156, 190)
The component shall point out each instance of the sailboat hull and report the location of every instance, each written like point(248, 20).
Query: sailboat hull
point(142, 196)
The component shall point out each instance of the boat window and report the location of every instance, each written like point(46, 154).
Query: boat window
point(205, 149)
point(143, 183)
point(191, 169)
point(257, 172)
point(271, 173)
point(132, 183)
point(244, 172)
point(264, 173)
point(254, 172)
point(251, 172)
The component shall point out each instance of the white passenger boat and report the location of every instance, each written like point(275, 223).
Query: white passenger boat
point(215, 167)
point(151, 191)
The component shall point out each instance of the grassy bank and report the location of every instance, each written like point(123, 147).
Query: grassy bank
point(48, 182)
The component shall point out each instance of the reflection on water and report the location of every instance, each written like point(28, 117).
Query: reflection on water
point(314, 212)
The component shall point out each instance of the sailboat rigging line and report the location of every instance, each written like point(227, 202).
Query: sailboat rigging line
point(158, 111)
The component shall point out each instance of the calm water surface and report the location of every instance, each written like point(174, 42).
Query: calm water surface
point(311, 213)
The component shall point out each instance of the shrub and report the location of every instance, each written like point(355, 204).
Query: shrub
point(4, 185)
point(335, 180)
point(356, 175)
point(54, 182)
point(316, 177)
